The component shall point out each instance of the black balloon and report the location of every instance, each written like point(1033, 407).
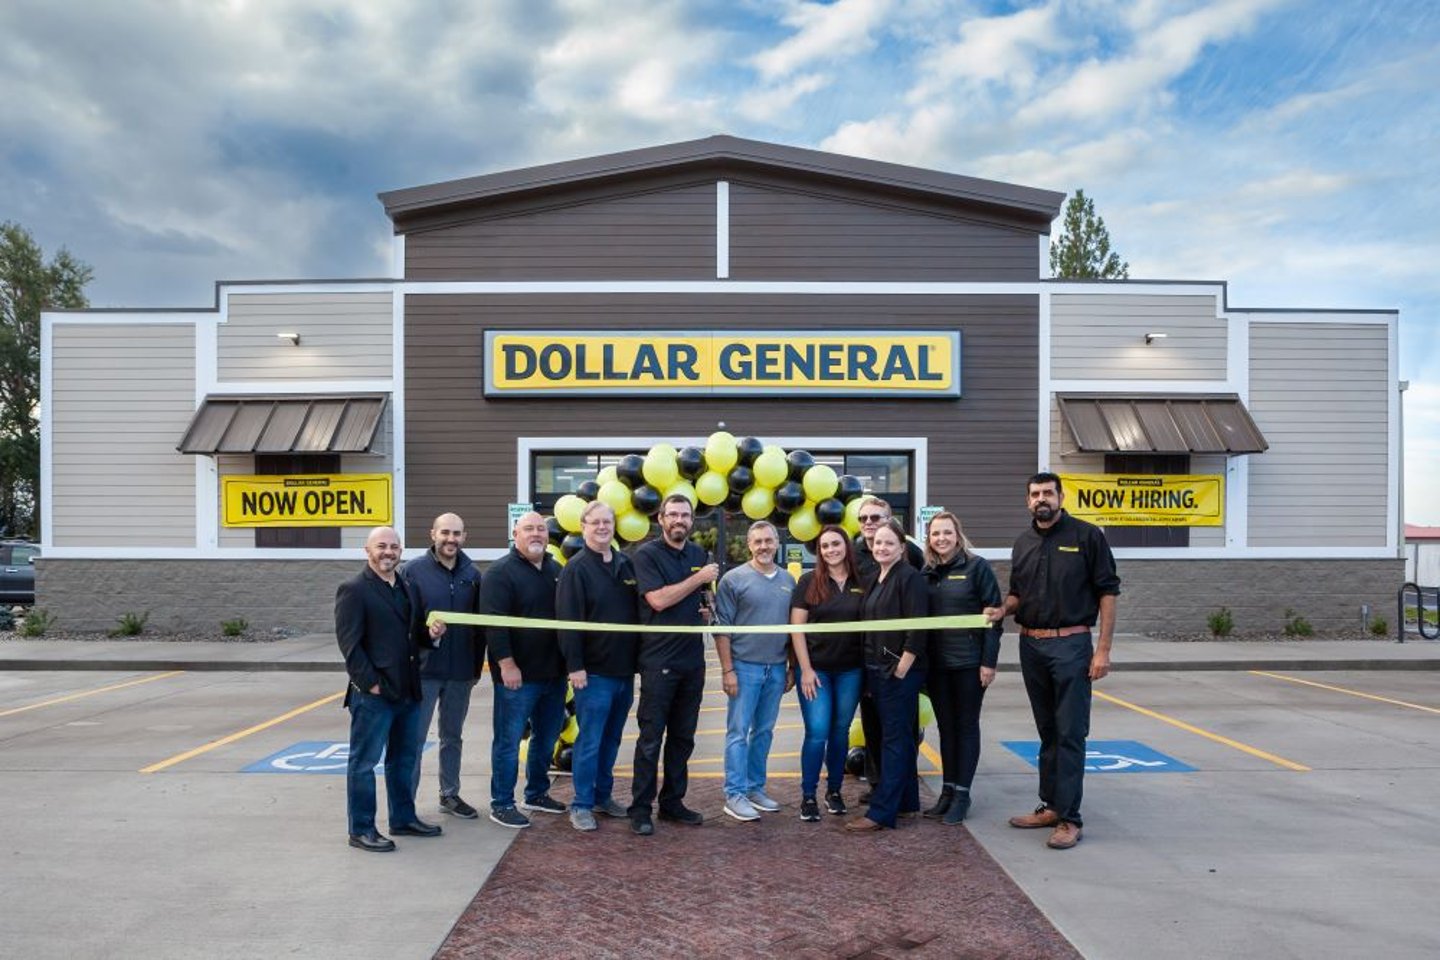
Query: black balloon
point(749, 448)
point(799, 461)
point(572, 545)
point(829, 512)
point(732, 502)
point(741, 479)
point(645, 499)
point(691, 461)
point(703, 510)
point(850, 488)
point(557, 532)
point(588, 490)
point(631, 470)
point(789, 496)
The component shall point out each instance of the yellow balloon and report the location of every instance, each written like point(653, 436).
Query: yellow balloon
point(632, 527)
point(617, 495)
point(851, 523)
point(804, 525)
point(685, 489)
point(721, 453)
point(758, 502)
point(606, 475)
point(663, 450)
point(820, 483)
point(927, 711)
point(775, 448)
point(660, 470)
point(712, 488)
point(770, 468)
point(567, 510)
point(555, 551)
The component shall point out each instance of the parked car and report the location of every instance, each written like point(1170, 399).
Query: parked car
point(17, 571)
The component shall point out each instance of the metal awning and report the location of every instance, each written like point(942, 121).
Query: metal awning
point(1171, 423)
point(285, 424)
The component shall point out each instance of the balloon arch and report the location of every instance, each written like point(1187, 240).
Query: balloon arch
point(739, 476)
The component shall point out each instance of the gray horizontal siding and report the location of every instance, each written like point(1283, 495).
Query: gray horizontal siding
point(121, 399)
point(1320, 394)
point(343, 336)
point(779, 233)
point(1102, 336)
point(981, 447)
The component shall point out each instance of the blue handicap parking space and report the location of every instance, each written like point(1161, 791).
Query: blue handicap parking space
point(311, 756)
point(1108, 756)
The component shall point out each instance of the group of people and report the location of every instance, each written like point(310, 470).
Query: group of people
point(402, 671)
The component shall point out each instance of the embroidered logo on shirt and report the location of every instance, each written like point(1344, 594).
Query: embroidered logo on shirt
point(961, 576)
point(1068, 549)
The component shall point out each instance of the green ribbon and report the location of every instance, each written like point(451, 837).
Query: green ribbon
point(969, 622)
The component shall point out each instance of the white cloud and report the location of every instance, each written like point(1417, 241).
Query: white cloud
point(1000, 50)
point(773, 104)
point(824, 32)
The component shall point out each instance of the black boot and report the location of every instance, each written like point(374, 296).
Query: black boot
point(959, 806)
point(947, 795)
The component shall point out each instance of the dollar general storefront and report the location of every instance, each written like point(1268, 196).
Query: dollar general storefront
point(542, 323)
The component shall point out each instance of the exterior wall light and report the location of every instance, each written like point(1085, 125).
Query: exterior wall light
point(294, 338)
point(1152, 337)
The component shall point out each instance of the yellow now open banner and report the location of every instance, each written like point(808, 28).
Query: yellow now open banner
point(306, 500)
point(1163, 500)
point(842, 363)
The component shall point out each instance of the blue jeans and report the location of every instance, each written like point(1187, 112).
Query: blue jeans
point(897, 701)
point(453, 698)
point(381, 726)
point(542, 703)
point(600, 710)
point(750, 724)
point(827, 727)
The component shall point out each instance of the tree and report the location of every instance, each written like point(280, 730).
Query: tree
point(1082, 251)
point(28, 285)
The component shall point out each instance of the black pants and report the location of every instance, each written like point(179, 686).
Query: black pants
point(957, 696)
point(875, 735)
point(1057, 678)
point(668, 713)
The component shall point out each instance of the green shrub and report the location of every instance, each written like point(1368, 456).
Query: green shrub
point(1296, 625)
point(131, 624)
point(7, 619)
point(234, 628)
point(36, 622)
point(1221, 622)
point(1379, 626)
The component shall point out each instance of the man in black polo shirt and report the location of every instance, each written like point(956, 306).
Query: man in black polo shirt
point(1062, 579)
point(670, 574)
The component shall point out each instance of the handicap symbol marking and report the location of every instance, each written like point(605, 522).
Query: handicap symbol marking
point(312, 756)
point(1108, 756)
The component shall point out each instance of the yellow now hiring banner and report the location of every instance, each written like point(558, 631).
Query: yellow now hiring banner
point(1167, 500)
point(660, 363)
point(306, 500)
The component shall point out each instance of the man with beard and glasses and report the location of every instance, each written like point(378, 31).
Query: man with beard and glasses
point(670, 575)
point(1062, 580)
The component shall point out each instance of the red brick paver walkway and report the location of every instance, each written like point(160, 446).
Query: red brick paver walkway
point(776, 888)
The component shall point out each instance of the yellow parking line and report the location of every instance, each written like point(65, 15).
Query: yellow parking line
point(239, 735)
point(1353, 693)
point(931, 755)
point(1242, 747)
point(89, 693)
point(720, 730)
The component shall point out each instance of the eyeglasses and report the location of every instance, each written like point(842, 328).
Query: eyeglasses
point(872, 517)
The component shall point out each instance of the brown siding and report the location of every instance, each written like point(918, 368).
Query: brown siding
point(661, 234)
point(460, 447)
point(783, 233)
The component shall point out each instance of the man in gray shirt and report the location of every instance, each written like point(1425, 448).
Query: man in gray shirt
point(756, 668)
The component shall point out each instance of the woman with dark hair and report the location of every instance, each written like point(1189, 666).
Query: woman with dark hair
point(962, 662)
point(895, 663)
point(830, 668)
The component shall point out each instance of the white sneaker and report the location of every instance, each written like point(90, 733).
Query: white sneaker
point(762, 801)
point(582, 820)
point(740, 808)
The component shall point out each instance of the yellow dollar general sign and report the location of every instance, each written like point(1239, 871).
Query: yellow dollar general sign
point(851, 363)
point(306, 500)
point(1167, 500)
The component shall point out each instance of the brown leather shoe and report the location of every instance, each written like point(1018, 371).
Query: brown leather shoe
point(862, 825)
point(1042, 817)
point(1066, 835)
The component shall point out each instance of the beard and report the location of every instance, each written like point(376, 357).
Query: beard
point(1044, 512)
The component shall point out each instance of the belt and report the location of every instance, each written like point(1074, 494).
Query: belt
point(1051, 634)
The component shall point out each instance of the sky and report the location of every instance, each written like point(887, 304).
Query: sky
point(1291, 149)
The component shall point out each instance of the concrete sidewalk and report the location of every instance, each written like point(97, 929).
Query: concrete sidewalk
point(318, 653)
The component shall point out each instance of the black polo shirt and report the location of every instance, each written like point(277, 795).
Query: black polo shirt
point(657, 564)
point(1060, 574)
point(832, 651)
point(598, 592)
point(515, 587)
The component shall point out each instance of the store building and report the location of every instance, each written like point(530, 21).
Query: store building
point(893, 321)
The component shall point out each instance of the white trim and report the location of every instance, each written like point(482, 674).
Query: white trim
point(278, 387)
point(1317, 316)
point(797, 287)
point(194, 553)
point(1237, 469)
point(397, 256)
point(301, 286)
point(1394, 524)
point(127, 318)
point(47, 430)
point(207, 473)
point(1042, 366)
point(397, 413)
point(1142, 386)
point(722, 229)
point(1044, 257)
point(1254, 553)
point(1140, 287)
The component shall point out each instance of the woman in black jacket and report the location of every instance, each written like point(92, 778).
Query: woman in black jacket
point(895, 673)
point(962, 662)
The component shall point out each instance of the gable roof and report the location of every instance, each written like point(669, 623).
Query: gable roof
point(723, 152)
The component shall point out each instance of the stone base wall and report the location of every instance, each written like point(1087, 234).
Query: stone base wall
point(1165, 596)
